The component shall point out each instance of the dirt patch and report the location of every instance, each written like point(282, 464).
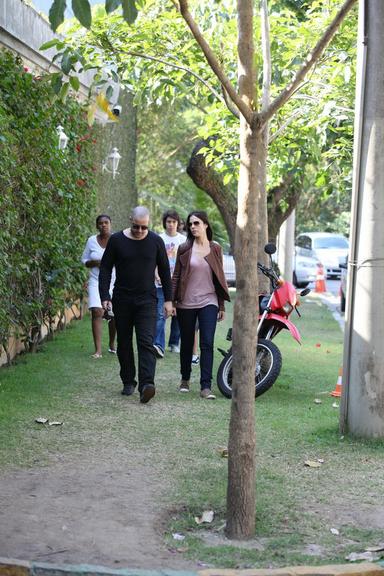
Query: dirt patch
point(94, 511)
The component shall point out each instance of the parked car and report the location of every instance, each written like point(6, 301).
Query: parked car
point(229, 269)
point(328, 248)
point(343, 284)
point(304, 270)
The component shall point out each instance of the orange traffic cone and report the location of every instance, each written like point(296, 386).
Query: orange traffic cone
point(337, 390)
point(320, 279)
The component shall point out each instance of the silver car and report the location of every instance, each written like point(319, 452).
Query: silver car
point(229, 269)
point(305, 269)
point(331, 249)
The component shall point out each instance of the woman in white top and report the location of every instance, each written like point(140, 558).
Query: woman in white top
point(93, 252)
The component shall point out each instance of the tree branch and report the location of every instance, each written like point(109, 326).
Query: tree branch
point(206, 178)
point(245, 110)
point(230, 105)
point(266, 48)
point(281, 129)
point(311, 60)
point(172, 65)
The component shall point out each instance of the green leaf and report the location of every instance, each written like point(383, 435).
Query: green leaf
point(74, 82)
point(111, 5)
point(56, 13)
point(64, 91)
point(66, 64)
point(82, 11)
point(49, 44)
point(57, 82)
point(129, 10)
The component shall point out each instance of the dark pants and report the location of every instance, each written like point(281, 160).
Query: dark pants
point(140, 316)
point(207, 317)
point(174, 334)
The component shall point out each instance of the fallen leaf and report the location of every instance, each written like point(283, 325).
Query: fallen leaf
point(177, 536)
point(335, 531)
point(335, 405)
point(318, 345)
point(223, 452)
point(312, 463)
point(317, 401)
point(369, 556)
point(207, 516)
point(379, 548)
point(41, 420)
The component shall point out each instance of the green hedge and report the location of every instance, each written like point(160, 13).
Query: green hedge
point(46, 199)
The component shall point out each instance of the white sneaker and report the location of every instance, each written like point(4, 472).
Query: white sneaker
point(174, 348)
point(195, 359)
point(158, 351)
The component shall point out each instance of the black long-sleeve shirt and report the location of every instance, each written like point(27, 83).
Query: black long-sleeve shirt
point(135, 262)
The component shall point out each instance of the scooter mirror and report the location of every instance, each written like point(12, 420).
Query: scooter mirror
point(270, 248)
point(305, 292)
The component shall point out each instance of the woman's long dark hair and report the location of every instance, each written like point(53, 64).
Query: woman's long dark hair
point(202, 216)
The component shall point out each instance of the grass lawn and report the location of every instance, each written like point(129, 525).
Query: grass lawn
point(296, 505)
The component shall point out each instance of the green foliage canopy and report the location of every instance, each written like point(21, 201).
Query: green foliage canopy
point(157, 58)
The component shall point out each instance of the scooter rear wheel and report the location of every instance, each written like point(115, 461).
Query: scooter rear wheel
point(268, 366)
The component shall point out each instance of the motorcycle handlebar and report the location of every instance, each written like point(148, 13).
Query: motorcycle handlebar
point(269, 272)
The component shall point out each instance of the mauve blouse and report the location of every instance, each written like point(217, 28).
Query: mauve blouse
point(200, 290)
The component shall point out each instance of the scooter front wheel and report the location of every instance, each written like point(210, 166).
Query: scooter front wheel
point(268, 366)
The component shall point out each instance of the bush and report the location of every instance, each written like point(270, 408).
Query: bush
point(46, 198)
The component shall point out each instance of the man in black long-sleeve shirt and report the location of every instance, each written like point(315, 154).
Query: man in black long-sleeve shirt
point(136, 252)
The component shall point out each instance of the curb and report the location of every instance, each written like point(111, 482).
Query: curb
point(11, 567)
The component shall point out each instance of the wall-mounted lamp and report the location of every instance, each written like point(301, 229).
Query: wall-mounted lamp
point(111, 163)
point(63, 138)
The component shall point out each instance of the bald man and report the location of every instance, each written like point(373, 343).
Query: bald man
point(135, 252)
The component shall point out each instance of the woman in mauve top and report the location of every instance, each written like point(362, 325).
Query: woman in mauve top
point(199, 289)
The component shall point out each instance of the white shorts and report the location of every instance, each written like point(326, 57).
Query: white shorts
point(93, 294)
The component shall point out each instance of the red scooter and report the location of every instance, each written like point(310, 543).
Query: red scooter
point(275, 309)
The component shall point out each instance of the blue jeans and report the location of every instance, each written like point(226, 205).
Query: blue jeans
point(207, 317)
point(159, 339)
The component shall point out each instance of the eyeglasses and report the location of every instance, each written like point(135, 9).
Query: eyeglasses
point(195, 223)
point(139, 227)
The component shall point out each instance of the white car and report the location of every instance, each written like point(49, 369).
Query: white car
point(229, 269)
point(330, 249)
point(343, 284)
point(305, 269)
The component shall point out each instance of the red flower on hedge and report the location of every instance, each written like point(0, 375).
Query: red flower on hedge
point(80, 182)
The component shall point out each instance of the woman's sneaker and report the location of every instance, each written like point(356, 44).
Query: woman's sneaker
point(207, 394)
point(184, 386)
point(195, 359)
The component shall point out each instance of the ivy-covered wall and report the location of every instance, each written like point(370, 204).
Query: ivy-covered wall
point(118, 196)
point(46, 199)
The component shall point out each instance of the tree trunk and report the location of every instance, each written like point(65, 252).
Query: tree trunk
point(241, 445)
point(362, 410)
